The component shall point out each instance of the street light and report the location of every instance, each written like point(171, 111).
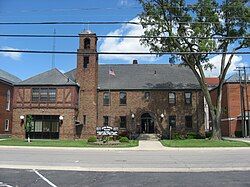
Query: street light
point(22, 119)
point(61, 119)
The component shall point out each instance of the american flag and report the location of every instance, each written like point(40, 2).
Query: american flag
point(111, 72)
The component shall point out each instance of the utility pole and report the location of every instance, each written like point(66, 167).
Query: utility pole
point(246, 122)
point(53, 49)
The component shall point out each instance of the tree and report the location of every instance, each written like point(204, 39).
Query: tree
point(28, 126)
point(190, 32)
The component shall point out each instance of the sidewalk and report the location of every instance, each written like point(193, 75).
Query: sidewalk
point(237, 139)
point(147, 145)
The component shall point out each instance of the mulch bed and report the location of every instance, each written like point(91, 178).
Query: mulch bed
point(106, 143)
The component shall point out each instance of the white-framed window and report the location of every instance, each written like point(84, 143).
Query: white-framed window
point(8, 101)
point(7, 125)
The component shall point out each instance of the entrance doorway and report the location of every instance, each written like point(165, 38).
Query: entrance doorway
point(147, 124)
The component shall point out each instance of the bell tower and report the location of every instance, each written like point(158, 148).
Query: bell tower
point(87, 78)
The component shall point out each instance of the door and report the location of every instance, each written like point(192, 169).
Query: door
point(147, 123)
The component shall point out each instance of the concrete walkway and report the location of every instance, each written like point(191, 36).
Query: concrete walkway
point(238, 139)
point(149, 145)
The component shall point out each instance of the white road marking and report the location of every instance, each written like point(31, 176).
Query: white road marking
point(46, 180)
point(4, 185)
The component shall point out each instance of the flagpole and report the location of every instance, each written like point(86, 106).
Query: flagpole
point(109, 98)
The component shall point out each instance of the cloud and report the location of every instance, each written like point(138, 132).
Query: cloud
point(216, 61)
point(12, 55)
point(126, 44)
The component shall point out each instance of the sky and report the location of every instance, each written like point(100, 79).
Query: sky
point(26, 65)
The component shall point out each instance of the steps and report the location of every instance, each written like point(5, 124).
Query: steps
point(151, 137)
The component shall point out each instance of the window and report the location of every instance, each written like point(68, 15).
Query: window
point(123, 122)
point(123, 98)
point(188, 121)
point(86, 43)
point(8, 100)
point(85, 61)
point(171, 98)
point(106, 98)
point(188, 98)
point(172, 121)
point(44, 94)
point(84, 119)
point(105, 120)
point(35, 94)
point(147, 95)
point(52, 94)
point(6, 125)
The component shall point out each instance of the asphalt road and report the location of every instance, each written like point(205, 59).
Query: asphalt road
point(41, 178)
point(172, 160)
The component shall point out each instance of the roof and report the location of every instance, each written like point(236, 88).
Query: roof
point(235, 78)
point(9, 78)
point(144, 76)
point(52, 77)
point(213, 81)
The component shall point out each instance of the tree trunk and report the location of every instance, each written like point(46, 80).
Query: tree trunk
point(216, 132)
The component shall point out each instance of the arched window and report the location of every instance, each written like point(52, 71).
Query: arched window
point(8, 100)
point(86, 43)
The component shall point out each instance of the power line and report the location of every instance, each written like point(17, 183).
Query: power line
point(119, 53)
point(96, 23)
point(116, 36)
point(116, 8)
point(71, 23)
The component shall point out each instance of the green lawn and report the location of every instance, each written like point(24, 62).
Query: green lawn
point(61, 143)
point(203, 143)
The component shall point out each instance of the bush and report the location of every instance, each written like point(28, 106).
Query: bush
point(208, 134)
point(192, 135)
point(124, 139)
point(238, 134)
point(92, 139)
point(177, 136)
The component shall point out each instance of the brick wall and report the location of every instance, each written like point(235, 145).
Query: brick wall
point(231, 108)
point(5, 114)
point(66, 131)
point(157, 105)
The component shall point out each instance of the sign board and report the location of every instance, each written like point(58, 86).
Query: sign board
point(107, 131)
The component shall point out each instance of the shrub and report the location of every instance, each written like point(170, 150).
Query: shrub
point(177, 136)
point(124, 139)
point(208, 134)
point(238, 134)
point(92, 139)
point(192, 135)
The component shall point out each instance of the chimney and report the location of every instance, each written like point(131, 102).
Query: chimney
point(135, 62)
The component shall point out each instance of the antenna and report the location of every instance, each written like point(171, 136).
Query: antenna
point(53, 49)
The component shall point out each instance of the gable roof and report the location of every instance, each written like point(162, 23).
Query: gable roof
point(235, 78)
point(52, 77)
point(7, 77)
point(144, 76)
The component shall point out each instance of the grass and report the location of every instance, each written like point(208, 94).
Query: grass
point(62, 143)
point(203, 143)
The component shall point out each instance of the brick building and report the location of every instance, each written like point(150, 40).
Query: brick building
point(232, 120)
point(6, 94)
point(136, 98)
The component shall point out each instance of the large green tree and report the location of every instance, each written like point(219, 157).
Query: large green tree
point(192, 31)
